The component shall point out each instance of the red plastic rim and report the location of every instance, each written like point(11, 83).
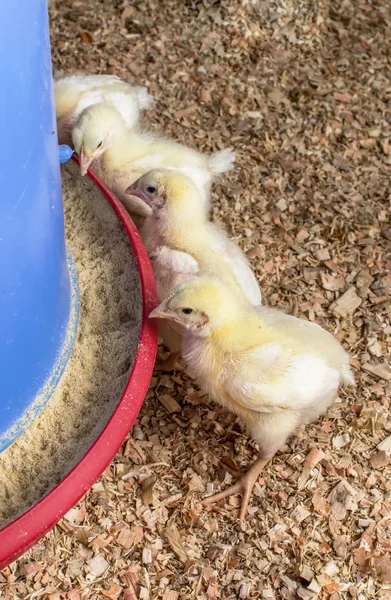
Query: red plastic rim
point(26, 530)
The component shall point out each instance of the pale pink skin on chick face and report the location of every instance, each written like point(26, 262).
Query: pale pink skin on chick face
point(148, 192)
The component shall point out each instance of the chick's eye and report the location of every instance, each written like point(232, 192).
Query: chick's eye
point(99, 145)
point(151, 189)
point(187, 311)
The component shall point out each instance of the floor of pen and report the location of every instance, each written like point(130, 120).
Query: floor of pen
point(300, 90)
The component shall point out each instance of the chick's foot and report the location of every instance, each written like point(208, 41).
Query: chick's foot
point(244, 487)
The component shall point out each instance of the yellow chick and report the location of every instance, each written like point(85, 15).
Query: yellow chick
point(75, 93)
point(275, 371)
point(125, 155)
point(182, 242)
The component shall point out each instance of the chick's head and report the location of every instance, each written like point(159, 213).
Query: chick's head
point(201, 305)
point(151, 189)
point(166, 192)
point(95, 132)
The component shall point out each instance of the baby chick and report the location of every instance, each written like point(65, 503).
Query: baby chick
point(182, 242)
point(125, 155)
point(75, 93)
point(275, 371)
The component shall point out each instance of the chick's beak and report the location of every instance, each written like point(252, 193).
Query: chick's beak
point(133, 190)
point(85, 162)
point(160, 312)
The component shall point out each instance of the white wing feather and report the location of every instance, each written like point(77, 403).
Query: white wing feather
point(127, 105)
point(87, 99)
point(178, 261)
point(129, 101)
point(171, 267)
point(240, 267)
point(86, 82)
point(273, 378)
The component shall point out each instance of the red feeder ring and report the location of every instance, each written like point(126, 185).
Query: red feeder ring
point(26, 530)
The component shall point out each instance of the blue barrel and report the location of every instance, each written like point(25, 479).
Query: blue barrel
point(38, 282)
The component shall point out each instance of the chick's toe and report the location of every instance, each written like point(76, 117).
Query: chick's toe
point(244, 487)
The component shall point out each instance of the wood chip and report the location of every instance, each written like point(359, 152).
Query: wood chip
point(98, 565)
point(315, 587)
point(144, 593)
point(213, 591)
point(205, 96)
point(86, 37)
point(147, 556)
point(332, 283)
point(277, 96)
point(380, 460)
point(342, 97)
point(114, 592)
point(29, 570)
point(169, 403)
point(319, 503)
point(381, 370)
point(185, 112)
point(244, 590)
point(341, 499)
point(281, 204)
point(346, 304)
point(76, 514)
point(147, 486)
point(214, 552)
point(172, 535)
point(170, 595)
point(306, 573)
point(129, 537)
point(382, 568)
point(339, 441)
point(385, 445)
point(300, 513)
point(306, 594)
point(314, 457)
point(322, 254)
point(196, 484)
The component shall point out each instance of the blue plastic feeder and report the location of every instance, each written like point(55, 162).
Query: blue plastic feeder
point(38, 281)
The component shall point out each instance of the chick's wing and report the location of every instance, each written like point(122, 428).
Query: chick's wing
point(274, 378)
point(171, 267)
point(239, 265)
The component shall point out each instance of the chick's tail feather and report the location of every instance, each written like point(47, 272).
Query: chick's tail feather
point(347, 375)
point(144, 98)
point(221, 161)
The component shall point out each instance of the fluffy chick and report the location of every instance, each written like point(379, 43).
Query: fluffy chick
point(128, 154)
point(75, 93)
point(275, 371)
point(182, 242)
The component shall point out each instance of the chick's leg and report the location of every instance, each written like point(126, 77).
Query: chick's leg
point(244, 486)
point(271, 432)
